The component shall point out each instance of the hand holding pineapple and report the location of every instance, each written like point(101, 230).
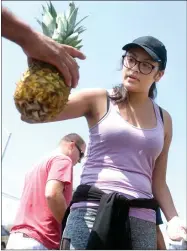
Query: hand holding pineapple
point(40, 47)
point(42, 93)
point(60, 55)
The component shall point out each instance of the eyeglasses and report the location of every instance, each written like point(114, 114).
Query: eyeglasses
point(81, 153)
point(144, 67)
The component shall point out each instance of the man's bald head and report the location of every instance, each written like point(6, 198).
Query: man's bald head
point(73, 137)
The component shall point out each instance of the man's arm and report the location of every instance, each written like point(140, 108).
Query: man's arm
point(59, 175)
point(13, 28)
point(55, 199)
point(40, 47)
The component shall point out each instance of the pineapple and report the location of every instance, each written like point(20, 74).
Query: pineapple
point(41, 93)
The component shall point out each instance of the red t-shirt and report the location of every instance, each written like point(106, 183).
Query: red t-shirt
point(34, 218)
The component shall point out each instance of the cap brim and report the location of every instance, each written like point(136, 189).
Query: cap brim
point(149, 51)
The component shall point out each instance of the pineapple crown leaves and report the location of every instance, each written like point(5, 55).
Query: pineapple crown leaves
point(62, 27)
point(52, 10)
point(49, 19)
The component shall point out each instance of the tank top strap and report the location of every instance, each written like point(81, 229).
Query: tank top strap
point(157, 112)
point(111, 102)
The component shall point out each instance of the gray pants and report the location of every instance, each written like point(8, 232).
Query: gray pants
point(80, 222)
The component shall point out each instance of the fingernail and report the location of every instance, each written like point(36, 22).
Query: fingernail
point(84, 56)
point(75, 85)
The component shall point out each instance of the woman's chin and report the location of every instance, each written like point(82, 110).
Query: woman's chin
point(131, 87)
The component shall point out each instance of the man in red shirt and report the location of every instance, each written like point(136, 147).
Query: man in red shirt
point(46, 195)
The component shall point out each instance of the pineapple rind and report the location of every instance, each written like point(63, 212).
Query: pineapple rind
point(41, 94)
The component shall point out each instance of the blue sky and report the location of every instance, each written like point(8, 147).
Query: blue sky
point(110, 25)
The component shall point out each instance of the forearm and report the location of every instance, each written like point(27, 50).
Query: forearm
point(162, 194)
point(14, 29)
point(57, 205)
point(160, 240)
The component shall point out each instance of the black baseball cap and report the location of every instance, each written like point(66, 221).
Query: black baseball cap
point(152, 46)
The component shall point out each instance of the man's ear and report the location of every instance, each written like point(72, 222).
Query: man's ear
point(72, 145)
point(159, 75)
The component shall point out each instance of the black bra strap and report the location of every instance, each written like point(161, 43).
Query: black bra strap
point(108, 101)
point(161, 114)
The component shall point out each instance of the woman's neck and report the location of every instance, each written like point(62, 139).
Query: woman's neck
point(138, 99)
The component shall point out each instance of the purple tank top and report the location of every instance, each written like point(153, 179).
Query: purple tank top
point(121, 157)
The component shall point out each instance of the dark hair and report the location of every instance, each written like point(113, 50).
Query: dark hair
point(120, 93)
point(73, 137)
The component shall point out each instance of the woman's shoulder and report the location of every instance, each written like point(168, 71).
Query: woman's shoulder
point(167, 119)
point(166, 114)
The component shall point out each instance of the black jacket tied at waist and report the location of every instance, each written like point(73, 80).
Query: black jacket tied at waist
point(111, 229)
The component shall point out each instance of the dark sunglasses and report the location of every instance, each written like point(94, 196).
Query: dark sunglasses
point(81, 153)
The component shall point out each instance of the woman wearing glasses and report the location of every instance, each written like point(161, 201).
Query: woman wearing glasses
point(127, 158)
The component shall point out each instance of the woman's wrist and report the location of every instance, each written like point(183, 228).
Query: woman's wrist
point(176, 217)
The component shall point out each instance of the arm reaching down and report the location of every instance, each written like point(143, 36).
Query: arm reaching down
point(60, 175)
point(160, 188)
point(160, 239)
point(55, 199)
